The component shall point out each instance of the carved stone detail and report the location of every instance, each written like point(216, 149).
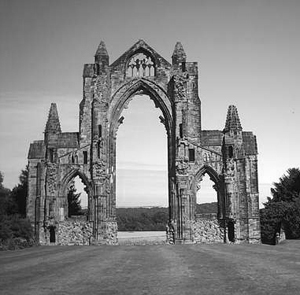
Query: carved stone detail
point(99, 169)
point(101, 88)
point(230, 170)
point(182, 167)
point(52, 178)
point(179, 86)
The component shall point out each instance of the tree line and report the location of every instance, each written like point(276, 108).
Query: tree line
point(15, 230)
point(282, 211)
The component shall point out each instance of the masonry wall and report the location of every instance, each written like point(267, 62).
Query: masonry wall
point(207, 230)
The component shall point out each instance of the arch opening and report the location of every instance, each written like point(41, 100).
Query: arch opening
point(141, 168)
point(141, 86)
point(77, 197)
point(206, 196)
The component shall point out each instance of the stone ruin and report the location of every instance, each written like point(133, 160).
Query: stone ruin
point(228, 156)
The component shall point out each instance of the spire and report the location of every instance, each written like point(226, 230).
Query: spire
point(101, 51)
point(232, 120)
point(178, 54)
point(53, 124)
point(101, 58)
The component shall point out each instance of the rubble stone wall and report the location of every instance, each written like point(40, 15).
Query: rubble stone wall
point(207, 230)
point(74, 232)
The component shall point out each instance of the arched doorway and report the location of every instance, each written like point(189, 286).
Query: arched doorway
point(141, 173)
point(209, 224)
point(146, 89)
point(52, 234)
point(141, 156)
point(206, 196)
point(76, 196)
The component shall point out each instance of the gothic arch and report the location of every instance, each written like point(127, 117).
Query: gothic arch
point(217, 179)
point(71, 175)
point(126, 92)
point(206, 169)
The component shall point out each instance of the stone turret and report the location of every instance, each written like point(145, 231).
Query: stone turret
point(101, 58)
point(233, 137)
point(179, 57)
point(232, 121)
point(53, 128)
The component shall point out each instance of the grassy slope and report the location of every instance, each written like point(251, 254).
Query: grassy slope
point(179, 269)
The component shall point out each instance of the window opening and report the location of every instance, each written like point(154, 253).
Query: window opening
point(230, 151)
point(51, 155)
point(77, 198)
point(140, 65)
point(100, 130)
point(85, 157)
point(206, 197)
point(192, 155)
point(180, 131)
point(98, 149)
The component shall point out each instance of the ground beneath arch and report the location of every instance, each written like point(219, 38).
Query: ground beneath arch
point(152, 269)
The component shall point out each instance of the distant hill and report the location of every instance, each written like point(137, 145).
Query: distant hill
point(142, 219)
point(207, 208)
point(152, 218)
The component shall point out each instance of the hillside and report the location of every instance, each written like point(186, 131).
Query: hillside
point(151, 218)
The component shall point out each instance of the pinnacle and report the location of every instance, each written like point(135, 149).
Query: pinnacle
point(179, 51)
point(232, 120)
point(101, 49)
point(53, 124)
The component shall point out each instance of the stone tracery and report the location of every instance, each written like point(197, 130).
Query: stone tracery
point(140, 65)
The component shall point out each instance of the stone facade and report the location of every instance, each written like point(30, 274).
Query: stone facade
point(229, 156)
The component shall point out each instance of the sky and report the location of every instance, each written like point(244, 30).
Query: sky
point(247, 54)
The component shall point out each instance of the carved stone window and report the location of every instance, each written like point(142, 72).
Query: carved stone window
point(141, 65)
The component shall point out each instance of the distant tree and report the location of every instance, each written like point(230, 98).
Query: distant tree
point(283, 210)
point(74, 202)
point(15, 232)
point(288, 187)
point(20, 192)
point(7, 204)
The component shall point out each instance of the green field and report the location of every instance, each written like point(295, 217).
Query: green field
point(152, 269)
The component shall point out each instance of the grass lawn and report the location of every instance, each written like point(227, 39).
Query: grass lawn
point(152, 269)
